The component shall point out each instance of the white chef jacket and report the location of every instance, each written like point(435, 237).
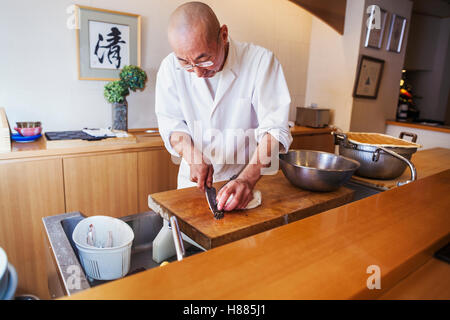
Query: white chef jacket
point(252, 97)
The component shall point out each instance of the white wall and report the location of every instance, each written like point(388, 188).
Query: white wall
point(38, 75)
point(332, 64)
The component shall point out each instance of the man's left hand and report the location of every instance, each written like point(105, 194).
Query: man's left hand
point(242, 194)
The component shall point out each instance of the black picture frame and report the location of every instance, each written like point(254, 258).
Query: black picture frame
point(368, 78)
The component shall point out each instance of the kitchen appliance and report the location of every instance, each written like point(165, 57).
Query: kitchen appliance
point(312, 117)
point(381, 156)
point(317, 170)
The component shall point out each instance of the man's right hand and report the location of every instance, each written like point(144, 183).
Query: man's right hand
point(201, 171)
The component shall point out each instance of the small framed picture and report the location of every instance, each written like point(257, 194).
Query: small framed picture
point(368, 79)
point(396, 33)
point(106, 42)
point(374, 36)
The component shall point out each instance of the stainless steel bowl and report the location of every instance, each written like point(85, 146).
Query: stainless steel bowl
point(316, 170)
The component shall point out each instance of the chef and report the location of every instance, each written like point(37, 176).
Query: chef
point(221, 105)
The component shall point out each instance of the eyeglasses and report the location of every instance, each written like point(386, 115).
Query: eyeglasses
point(205, 64)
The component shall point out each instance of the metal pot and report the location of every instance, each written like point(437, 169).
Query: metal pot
point(379, 162)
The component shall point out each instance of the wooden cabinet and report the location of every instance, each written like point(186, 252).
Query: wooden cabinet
point(102, 184)
point(117, 185)
point(29, 191)
point(319, 142)
point(156, 173)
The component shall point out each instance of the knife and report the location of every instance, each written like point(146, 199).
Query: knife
point(212, 202)
point(211, 195)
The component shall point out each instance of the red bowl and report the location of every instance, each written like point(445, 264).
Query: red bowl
point(27, 132)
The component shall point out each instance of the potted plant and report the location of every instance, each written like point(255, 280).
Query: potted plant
point(131, 78)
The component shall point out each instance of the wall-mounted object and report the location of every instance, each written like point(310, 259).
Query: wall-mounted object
point(5, 131)
point(396, 33)
point(106, 41)
point(368, 79)
point(374, 35)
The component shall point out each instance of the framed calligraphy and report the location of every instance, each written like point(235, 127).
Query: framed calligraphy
point(106, 42)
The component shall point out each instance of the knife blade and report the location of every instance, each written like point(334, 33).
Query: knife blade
point(212, 202)
point(211, 195)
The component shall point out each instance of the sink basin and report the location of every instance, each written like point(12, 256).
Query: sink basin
point(59, 231)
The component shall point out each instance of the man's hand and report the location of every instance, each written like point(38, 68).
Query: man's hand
point(240, 189)
point(201, 171)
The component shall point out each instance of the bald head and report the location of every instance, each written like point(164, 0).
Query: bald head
point(193, 20)
point(196, 36)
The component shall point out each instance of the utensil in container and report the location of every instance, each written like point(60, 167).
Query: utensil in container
point(101, 262)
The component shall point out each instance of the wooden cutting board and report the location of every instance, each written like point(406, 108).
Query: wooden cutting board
point(282, 203)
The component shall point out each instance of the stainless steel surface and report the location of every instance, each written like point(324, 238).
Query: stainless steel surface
point(312, 117)
point(396, 155)
point(72, 278)
point(388, 164)
point(177, 238)
point(316, 170)
point(361, 190)
point(28, 124)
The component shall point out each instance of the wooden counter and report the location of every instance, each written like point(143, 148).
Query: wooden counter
point(325, 256)
point(438, 128)
point(305, 137)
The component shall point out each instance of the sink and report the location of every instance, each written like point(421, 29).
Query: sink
point(72, 277)
point(361, 191)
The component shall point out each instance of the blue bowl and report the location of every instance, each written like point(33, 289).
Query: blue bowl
point(19, 138)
